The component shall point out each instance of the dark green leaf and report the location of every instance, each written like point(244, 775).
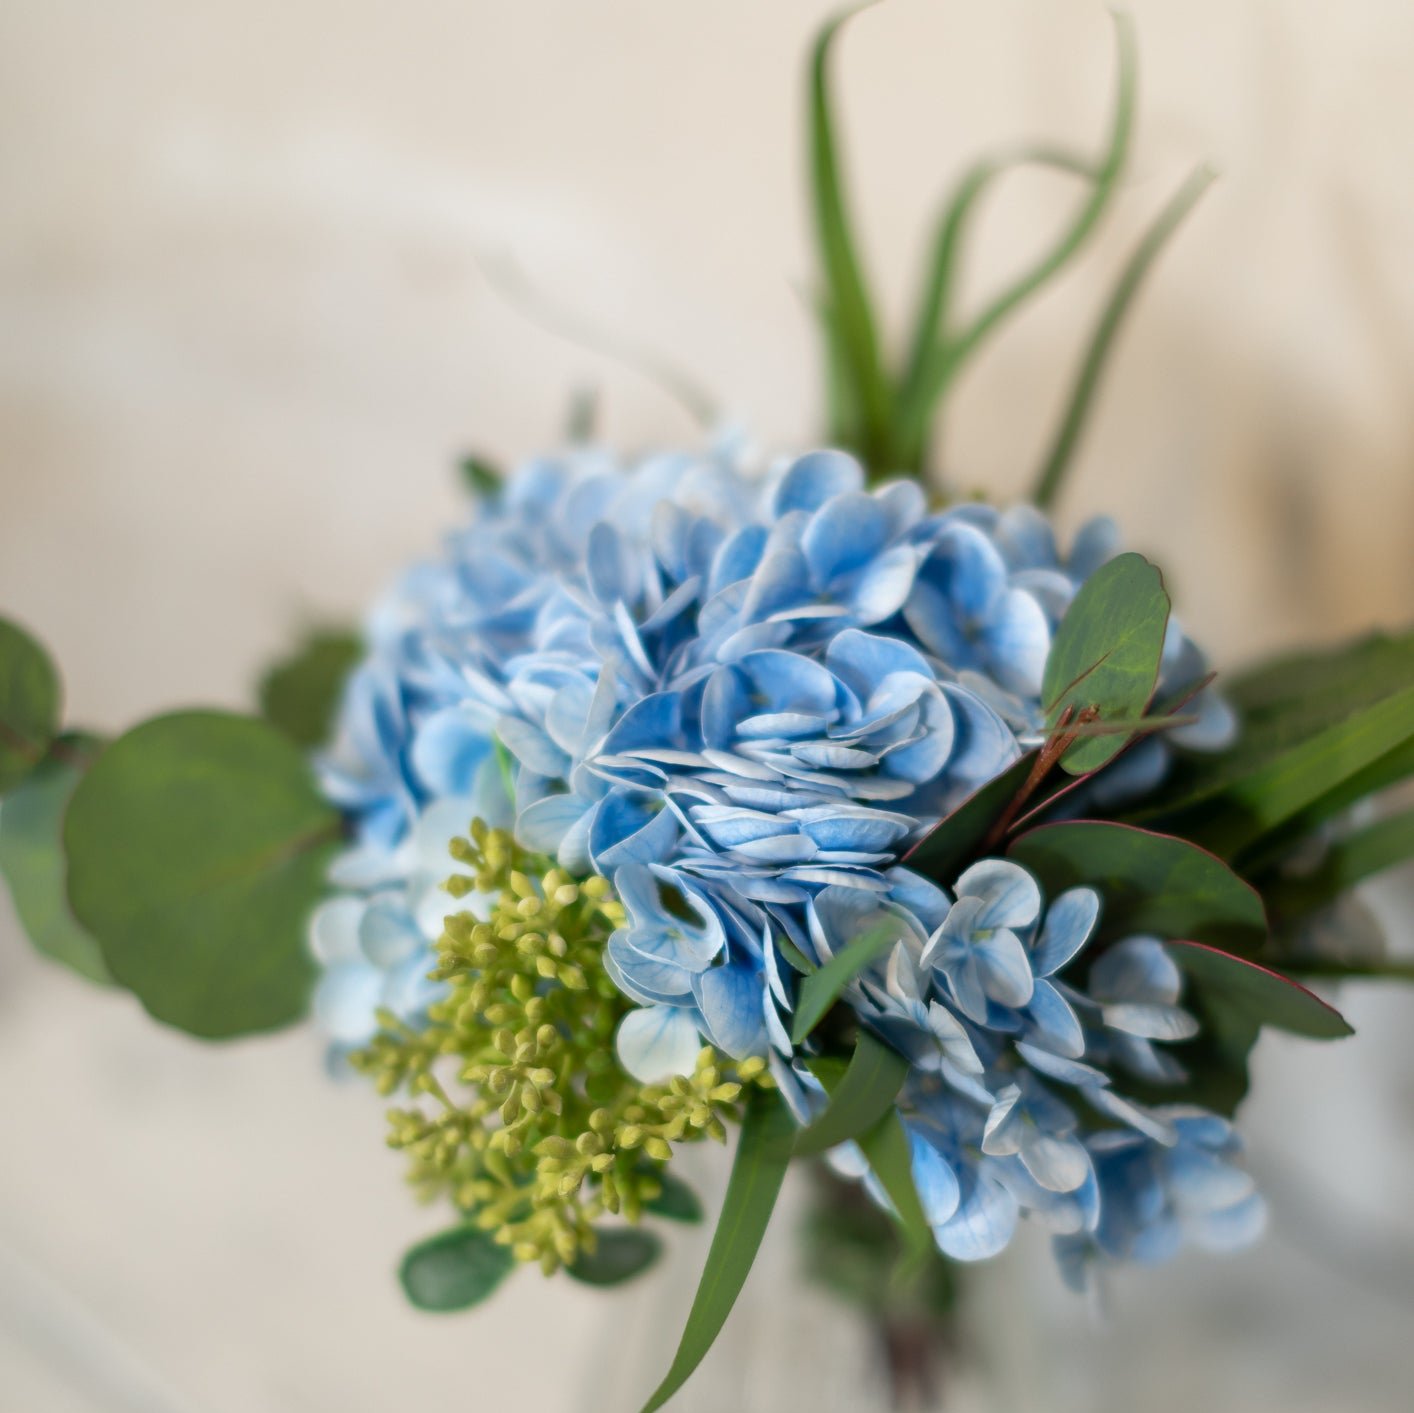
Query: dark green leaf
point(1106, 654)
point(942, 852)
point(32, 858)
point(1148, 883)
point(1311, 725)
point(819, 990)
point(677, 1201)
point(197, 848)
point(454, 1270)
point(1367, 851)
point(850, 320)
point(1087, 380)
point(481, 476)
point(29, 704)
point(762, 1156)
point(887, 1149)
point(863, 1097)
point(1258, 995)
point(301, 694)
point(620, 1254)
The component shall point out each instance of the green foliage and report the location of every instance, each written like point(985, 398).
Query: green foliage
point(481, 477)
point(762, 1156)
point(618, 1255)
point(676, 1201)
point(1313, 725)
point(943, 851)
point(1104, 661)
point(887, 1149)
point(1257, 994)
point(197, 847)
point(1348, 861)
point(1149, 883)
point(821, 988)
point(1092, 365)
point(29, 704)
point(301, 693)
point(454, 1270)
point(863, 1097)
point(32, 857)
point(848, 315)
point(522, 1116)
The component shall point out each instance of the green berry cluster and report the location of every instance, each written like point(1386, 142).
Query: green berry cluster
point(520, 1112)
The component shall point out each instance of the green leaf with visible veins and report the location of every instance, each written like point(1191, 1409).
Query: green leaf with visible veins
point(1106, 654)
point(197, 847)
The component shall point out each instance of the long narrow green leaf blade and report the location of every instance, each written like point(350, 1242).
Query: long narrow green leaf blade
point(887, 1148)
point(820, 989)
point(1087, 380)
point(1368, 851)
point(850, 322)
point(762, 1156)
point(864, 1096)
point(949, 357)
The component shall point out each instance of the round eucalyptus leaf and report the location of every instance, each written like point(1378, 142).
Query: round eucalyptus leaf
point(197, 847)
point(619, 1254)
point(29, 704)
point(32, 859)
point(301, 694)
point(454, 1270)
point(677, 1201)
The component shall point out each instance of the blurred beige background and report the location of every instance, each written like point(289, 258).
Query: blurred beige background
point(243, 331)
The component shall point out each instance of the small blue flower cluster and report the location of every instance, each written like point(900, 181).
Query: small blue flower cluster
point(742, 694)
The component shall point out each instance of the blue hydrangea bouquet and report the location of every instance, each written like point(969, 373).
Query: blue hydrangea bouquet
point(711, 790)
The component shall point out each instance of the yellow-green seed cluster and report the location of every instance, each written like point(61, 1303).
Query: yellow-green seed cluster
point(523, 1116)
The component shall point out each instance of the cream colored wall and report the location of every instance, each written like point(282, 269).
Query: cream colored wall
point(242, 331)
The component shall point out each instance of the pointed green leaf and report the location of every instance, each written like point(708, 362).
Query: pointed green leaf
point(1257, 994)
point(1318, 729)
point(301, 694)
point(197, 847)
point(1106, 654)
point(819, 991)
point(620, 1254)
point(32, 858)
point(888, 1152)
point(1148, 883)
point(762, 1156)
point(862, 1098)
point(454, 1270)
point(677, 1202)
point(942, 852)
point(1087, 380)
point(481, 476)
point(29, 704)
point(850, 322)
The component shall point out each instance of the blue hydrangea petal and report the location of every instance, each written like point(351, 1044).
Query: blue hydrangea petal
point(334, 930)
point(346, 1000)
point(846, 533)
point(1009, 894)
point(654, 1043)
point(815, 478)
point(1069, 921)
point(934, 1178)
point(1017, 639)
point(729, 998)
point(1232, 1229)
point(984, 1221)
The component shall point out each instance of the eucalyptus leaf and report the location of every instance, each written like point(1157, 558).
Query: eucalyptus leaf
point(481, 476)
point(1106, 654)
point(942, 852)
point(763, 1153)
point(620, 1254)
point(29, 704)
point(1257, 994)
point(197, 847)
point(677, 1202)
point(454, 1270)
point(1148, 883)
point(32, 858)
point(860, 1101)
point(819, 991)
point(301, 694)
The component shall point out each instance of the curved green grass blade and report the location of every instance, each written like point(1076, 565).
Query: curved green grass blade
point(862, 1098)
point(819, 991)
